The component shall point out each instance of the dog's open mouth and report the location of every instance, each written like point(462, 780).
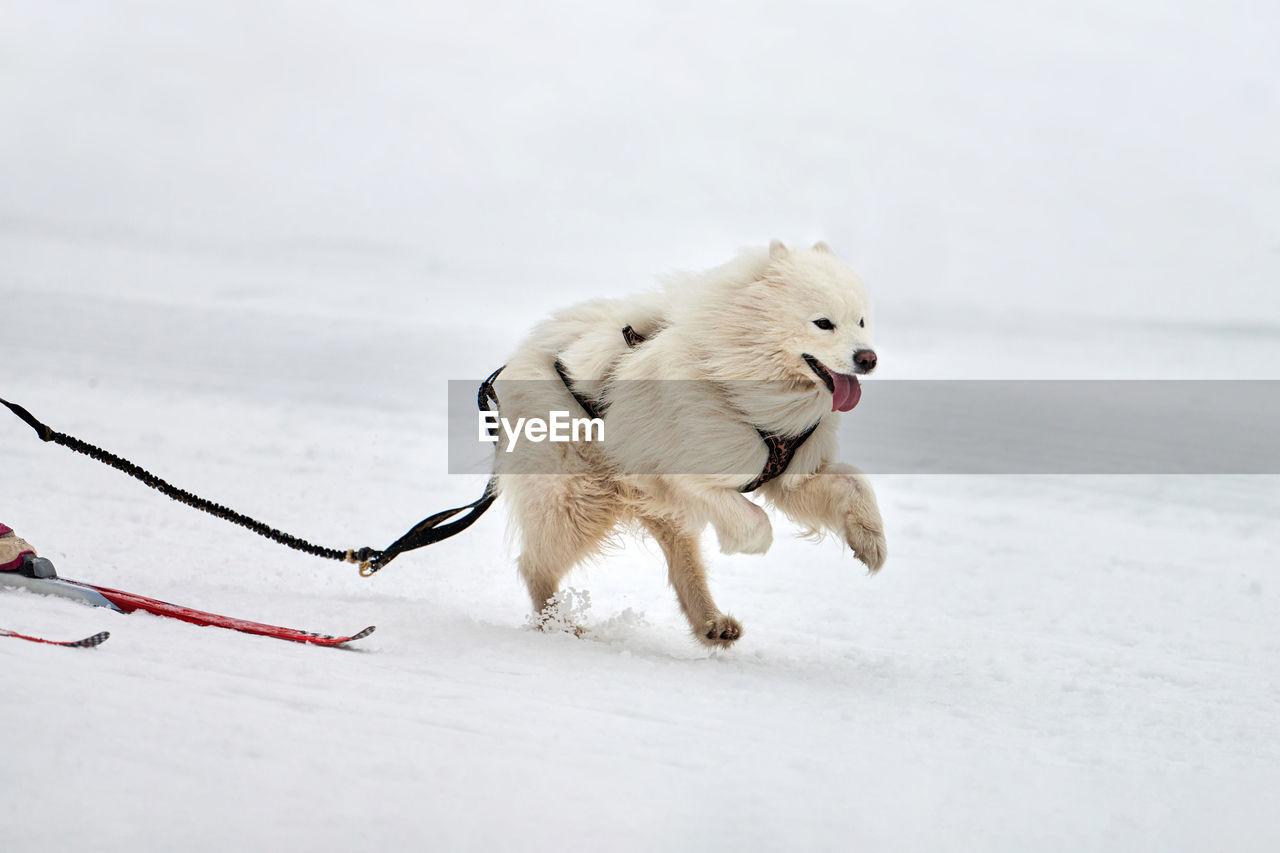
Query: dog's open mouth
point(844, 387)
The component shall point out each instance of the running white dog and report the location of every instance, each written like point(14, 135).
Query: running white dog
point(766, 350)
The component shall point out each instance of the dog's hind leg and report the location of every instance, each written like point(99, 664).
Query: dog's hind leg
point(562, 520)
point(689, 577)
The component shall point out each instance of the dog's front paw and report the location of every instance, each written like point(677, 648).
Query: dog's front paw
point(751, 534)
point(867, 542)
point(719, 632)
point(755, 540)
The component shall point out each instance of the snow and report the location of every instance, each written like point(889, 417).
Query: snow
point(248, 245)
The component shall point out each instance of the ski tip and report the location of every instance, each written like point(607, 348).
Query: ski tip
point(329, 639)
point(342, 641)
point(359, 635)
point(89, 642)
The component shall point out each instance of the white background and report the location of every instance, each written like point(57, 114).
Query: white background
point(247, 244)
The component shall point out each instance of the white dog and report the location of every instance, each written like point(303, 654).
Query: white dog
point(729, 381)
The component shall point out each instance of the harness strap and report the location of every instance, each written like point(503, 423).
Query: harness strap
point(782, 448)
point(431, 530)
point(434, 528)
point(587, 405)
point(632, 337)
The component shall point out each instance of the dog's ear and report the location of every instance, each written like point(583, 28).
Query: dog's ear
point(778, 250)
point(821, 246)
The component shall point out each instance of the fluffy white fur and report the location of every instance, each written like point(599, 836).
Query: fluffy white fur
point(739, 334)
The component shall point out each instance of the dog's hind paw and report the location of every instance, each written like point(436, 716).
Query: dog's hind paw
point(719, 633)
point(564, 613)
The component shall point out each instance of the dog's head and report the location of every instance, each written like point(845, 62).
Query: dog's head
point(794, 315)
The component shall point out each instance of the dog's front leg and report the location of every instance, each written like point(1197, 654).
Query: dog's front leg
point(741, 526)
point(839, 498)
point(689, 577)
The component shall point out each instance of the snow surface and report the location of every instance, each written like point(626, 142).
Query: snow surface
point(247, 244)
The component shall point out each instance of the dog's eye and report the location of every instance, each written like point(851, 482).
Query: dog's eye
point(862, 322)
point(824, 324)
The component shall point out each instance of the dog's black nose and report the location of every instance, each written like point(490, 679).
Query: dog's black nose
point(865, 359)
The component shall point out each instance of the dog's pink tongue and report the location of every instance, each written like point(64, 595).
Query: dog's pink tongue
point(847, 392)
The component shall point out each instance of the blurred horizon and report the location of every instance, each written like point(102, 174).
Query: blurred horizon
point(1053, 158)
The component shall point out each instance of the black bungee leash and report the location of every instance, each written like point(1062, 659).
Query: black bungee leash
point(430, 530)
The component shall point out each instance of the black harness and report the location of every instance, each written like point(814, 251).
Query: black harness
point(782, 448)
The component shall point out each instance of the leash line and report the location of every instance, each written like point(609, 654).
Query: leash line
point(432, 529)
point(182, 496)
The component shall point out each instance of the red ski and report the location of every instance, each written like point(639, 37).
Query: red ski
point(87, 643)
point(128, 602)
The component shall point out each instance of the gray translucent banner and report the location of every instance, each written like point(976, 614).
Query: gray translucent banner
point(997, 427)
